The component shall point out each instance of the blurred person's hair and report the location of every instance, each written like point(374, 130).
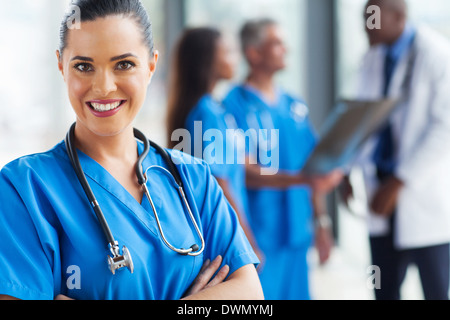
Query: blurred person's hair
point(91, 10)
point(192, 75)
point(253, 32)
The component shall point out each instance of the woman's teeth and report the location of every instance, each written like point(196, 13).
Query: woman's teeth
point(105, 107)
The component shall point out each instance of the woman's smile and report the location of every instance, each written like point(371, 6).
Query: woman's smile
point(105, 108)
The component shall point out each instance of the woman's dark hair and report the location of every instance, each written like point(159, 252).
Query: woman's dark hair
point(91, 10)
point(192, 74)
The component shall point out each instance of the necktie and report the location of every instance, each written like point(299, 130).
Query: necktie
point(384, 156)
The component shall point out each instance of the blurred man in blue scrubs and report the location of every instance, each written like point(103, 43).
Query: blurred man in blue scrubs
point(280, 217)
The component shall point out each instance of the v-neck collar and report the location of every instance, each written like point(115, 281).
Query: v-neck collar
point(256, 93)
point(103, 178)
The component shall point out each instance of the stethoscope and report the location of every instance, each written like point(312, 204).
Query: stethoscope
point(118, 260)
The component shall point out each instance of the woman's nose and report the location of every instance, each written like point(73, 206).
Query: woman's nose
point(104, 83)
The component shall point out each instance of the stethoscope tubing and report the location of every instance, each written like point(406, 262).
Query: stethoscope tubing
point(73, 156)
point(142, 179)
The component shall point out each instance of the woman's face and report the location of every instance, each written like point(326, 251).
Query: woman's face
point(107, 69)
point(224, 62)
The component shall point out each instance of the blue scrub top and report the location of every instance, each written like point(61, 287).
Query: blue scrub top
point(278, 217)
point(222, 145)
point(50, 235)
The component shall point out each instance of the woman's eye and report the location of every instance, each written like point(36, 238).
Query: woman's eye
point(125, 65)
point(83, 67)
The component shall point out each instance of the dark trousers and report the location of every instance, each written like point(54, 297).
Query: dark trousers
point(432, 262)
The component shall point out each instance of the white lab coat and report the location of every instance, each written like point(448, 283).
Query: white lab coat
point(422, 134)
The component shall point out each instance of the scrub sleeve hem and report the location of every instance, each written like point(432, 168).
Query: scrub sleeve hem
point(241, 261)
point(22, 293)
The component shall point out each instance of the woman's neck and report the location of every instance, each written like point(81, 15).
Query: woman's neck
point(117, 154)
point(120, 147)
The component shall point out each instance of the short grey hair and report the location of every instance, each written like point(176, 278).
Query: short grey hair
point(253, 32)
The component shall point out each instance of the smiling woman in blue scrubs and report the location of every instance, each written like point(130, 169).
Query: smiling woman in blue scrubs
point(51, 242)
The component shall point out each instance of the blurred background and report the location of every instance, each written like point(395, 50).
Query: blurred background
point(325, 39)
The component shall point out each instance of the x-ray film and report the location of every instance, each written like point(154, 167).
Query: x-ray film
point(345, 131)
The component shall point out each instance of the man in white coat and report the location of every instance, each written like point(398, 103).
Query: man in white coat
point(406, 165)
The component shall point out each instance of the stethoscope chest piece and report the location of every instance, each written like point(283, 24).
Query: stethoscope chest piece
point(119, 261)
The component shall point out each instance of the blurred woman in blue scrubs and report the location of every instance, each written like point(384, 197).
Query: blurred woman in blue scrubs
point(202, 58)
point(51, 242)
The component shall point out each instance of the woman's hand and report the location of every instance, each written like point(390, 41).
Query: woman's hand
point(61, 297)
point(203, 280)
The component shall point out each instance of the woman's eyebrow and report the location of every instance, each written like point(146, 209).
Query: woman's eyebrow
point(123, 56)
point(82, 58)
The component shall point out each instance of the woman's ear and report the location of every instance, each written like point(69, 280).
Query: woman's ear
point(154, 61)
point(152, 64)
point(60, 64)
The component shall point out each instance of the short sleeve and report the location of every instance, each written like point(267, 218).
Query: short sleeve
point(212, 140)
point(224, 235)
point(26, 272)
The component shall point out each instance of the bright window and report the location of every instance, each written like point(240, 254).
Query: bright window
point(230, 15)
